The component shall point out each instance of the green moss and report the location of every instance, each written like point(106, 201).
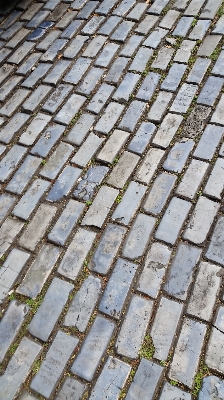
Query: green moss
point(147, 350)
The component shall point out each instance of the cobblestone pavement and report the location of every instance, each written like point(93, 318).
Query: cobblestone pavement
point(111, 209)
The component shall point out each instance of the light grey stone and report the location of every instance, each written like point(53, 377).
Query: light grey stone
point(212, 386)
point(169, 19)
point(178, 155)
point(109, 118)
point(215, 249)
point(218, 116)
point(208, 45)
point(80, 129)
point(70, 108)
point(215, 349)
point(159, 193)
point(36, 126)
point(209, 142)
point(58, 158)
point(113, 145)
point(167, 130)
point(171, 392)
point(184, 52)
point(149, 165)
point(87, 150)
point(160, 106)
point(199, 70)
point(24, 174)
point(71, 388)
point(192, 178)
point(8, 232)
point(215, 184)
point(184, 98)
point(123, 169)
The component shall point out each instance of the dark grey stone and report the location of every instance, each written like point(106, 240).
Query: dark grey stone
point(126, 87)
point(196, 121)
point(72, 29)
point(109, 118)
point(8, 232)
point(212, 388)
point(36, 75)
point(4, 53)
point(23, 175)
point(90, 81)
point(57, 98)
point(21, 34)
point(64, 183)
point(57, 72)
point(48, 140)
point(70, 108)
point(210, 91)
point(122, 31)
point(145, 380)
point(57, 12)
point(10, 161)
point(148, 86)
point(58, 158)
point(142, 138)
point(172, 80)
point(154, 39)
point(183, 26)
point(159, 193)
point(117, 69)
point(54, 50)
point(78, 4)
point(14, 102)
point(89, 182)
point(75, 46)
point(36, 98)
point(78, 70)
point(106, 55)
point(131, 46)
point(132, 115)
point(209, 141)
point(141, 59)
point(72, 389)
point(100, 98)
point(178, 155)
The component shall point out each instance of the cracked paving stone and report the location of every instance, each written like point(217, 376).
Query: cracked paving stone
point(214, 353)
point(89, 182)
point(8, 232)
point(178, 155)
point(71, 388)
point(78, 133)
point(212, 386)
point(159, 193)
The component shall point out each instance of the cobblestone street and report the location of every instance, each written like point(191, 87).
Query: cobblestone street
point(111, 204)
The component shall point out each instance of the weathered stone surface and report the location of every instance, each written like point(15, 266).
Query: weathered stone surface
point(64, 183)
point(172, 80)
point(70, 108)
point(215, 184)
point(167, 130)
point(6, 203)
point(160, 106)
point(126, 87)
point(212, 388)
point(184, 98)
point(100, 98)
point(80, 129)
point(10, 161)
point(142, 138)
point(192, 179)
point(78, 70)
point(178, 155)
point(163, 58)
point(218, 114)
point(215, 350)
point(218, 67)
point(184, 52)
point(113, 145)
point(47, 140)
point(71, 388)
point(36, 126)
point(56, 98)
point(123, 169)
point(8, 232)
point(149, 164)
point(159, 193)
point(216, 246)
point(208, 45)
point(199, 70)
point(147, 24)
point(116, 69)
point(23, 175)
point(196, 121)
point(171, 392)
point(209, 142)
point(154, 39)
point(89, 182)
point(94, 46)
point(14, 124)
point(210, 91)
point(58, 158)
point(109, 118)
point(132, 115)
point(148, 86)
point(106, 55)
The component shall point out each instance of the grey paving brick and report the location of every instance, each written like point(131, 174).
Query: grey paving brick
point(123, 169)
point(163, 58)
point(137, 12)
point(214, 353)
point(106, 55)
point(192, 179)
point(183, 26)
point(201, 220)
point(70, 108)
point(71, 388)
point(18, 368)
point(48, 40)
point(159, 193)
point(154, 39)
point(4, 53)
point(187, 353)
point(219, 27)
point(184, 52)
point(132, 115)
point(217, 117)
point(24, 174)
point(182, 268)
point(14, 102)
point(66, 222)
point(76, 253)
point(154, 269)
point(10, 32)
point(194, 7)
point(29, 63)
point(200, 29)
point(8, 86)
point(110, 25)
point(100, 98)
point(32, 10)
point(172, 221)
point(208, 45)
point(64, 183)
point(47, 314)
point(100, 208)
point(146, 24)
point(125, 211)
point(210, 9)
point(149, 165)
point(90, 81)
point(34, 129)
point(209, 141)
point(10, 325)
point(5, 70)
point(57, 12)
point(130, 339)
point(199, 70)
point(158, 6)
point(39, 17)
point(51, 4)
point(92, 25)
point(89, 182)
point(215, 249)
point(37, 227)
point(169, 19)
point(167, 130)
point(78, 70)
point(123, 30)
point(83, 304)
point(73, 28)
point(117, 69)
point(87, 151)
point(184, 98)
point(47, 140)
point(75, 46)
point(118, 288)
point(27, 396)
point(138, 237)
point(106, 6)
point(148, 86)
point(10, 161)
point(141, 59)
point(160, 106)
point(78, 4)
point(172, 80)
point(93, 348)
point(180, 4)
point(145, 380)
point(205, 291)
point(109, 118)
point(51, 369)
point(57, 72)
point(66, 19)
point(56, 161)
point(211, 386)
point(171, 392)
point(178, 155)
point(54, 50)
point(142, 138)
point(126, 87)
point(57, 97)
point(113, 145)
point(6, 203)
point(94, 46)
point(131, 46)
point(36, 75)
point(107, 249)
point(88, 9)
point(36, 98)
point(21, 53)
point(210, 91)
point(215, 184)
point(124, 7)
point(11, 19)
point(30, 199)
point(218, 67)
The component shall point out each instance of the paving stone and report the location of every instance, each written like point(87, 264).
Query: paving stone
point(76, 253)
point(14, 102)
point(14, 124)
point(113, 145)
point(109, 118)
point(159, 193)
point(71, 388)
point(8, 86)
point(27, 396)
point(125, 211)
point(210, 9)
point(37, 227)
point(149, 165)
point(184, 98)
point(145, 380)
point(47, 314)
point(205, 291)
point(48, 40)
point(36, 75)
point(47, 140)
point(212, 387)
point(6, 203)
point(11, 19)
point(56, 161)
point(219, 27)
point(138, 237)
point(187, 353)
point(208, 45)
point(148, 86)
point(64, 183)
point(66, 19)
point(37, 19)
point(121, 33)
point(200, 29)
point(132, 115)
point(54, 50)
point(10, 32)
point(107, 249)
point(99, 99)
point(178, 155)
point(199, 70)
point(106, 6)
point(29, 201)
point(23, 175)
point(36, 98)
point(92, 25)
point(56, 73)
point(83, 304)
point(209, 141)
point(123, 169)
point(89, 182)
point(10, 325)
point(124, 7)
point(131, 45)
point(194, 7)
point(118, 288)
point(51, 4)
point(172, 80)
point(141, 59)
point(116, 69)
point(100, 208)
point(29, 63)
point(93, 348)
point(73, 28)
point(218, 114)
point(167, 130)
point(52, 367)
point(192, 179)
point(87, 151)
point(184, 52)
point(75, 46)
point(180, 4)
point(57, 12)
point(90, 81)
point(146, 24)
point(21, 53)
point(109, 26)
point(182, 268)
point(32, 10)
point(129, 338)
point(36, 34)
point(172, 221)
point(157, 6)
point(137, 12)
point(9, 163)
point(57, 98)
point(154, 39)
point(18, 368)
point(218, 67)
point(201, 220)
point(210, 91)
point(215, 184)
point(214, 354)
point(126, 87)
point(87, 10)
point(160, 106)
point(154, 269)
point(183, 26)
point(214, 251)
point(169, 20)
point(78, 4)
point(70, 108)
point(171, 392)
point(4, 53)
point(8, 232)
point(142, 138)
point(78, 70)
point(94, 46)
point(163, 58)
point(5, 71)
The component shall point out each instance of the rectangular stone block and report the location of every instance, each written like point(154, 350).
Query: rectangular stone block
point(146, 24)
point(75, 47)
point(54, 50)
point(8, 232)
point(208, 45)
point(192, 179)
point(106, 55)
point(57, 98)
point(66, 19)
point(100, 98)
point(88, 9)
point(219, 27)
point(163, 58)
point(47, 140)
point(178, 155)
point(216, 246)
point(124, 7)
point(218, 117)
point(209, 142)
point(214, 354)
point(21, 53)
point(215, 184)
point(39, 72)
point(167, 130)
point(14, 102)
point(210, 91)
point(184, 52)
point(200, 29)
point(131, 45)
point(159, 193)
point(122, 31)
point(160, 106)
point(210, 9)
point(132, 115)
point(113, 146)
point(87, 150)
point(148, 86)
point(64, 183)
point(70, 388)
point(58, 158)
point(218, 67)
point(94, 46)
point(109, 118)
point(199, 70)
point(49, 39)
point(116, 69)
point(10, 161)
point(169, 19)
point(183, 26)
point(36, 126)
point(80, 129)
point(109, 26)
point(36, 98)
point(172, 80)
point(137, 12)
point(149, 165)
point(70, 108)
point(123, 169)
point(154, 39)
point(92, 25)
point(141, 59)
point(90, 81)
point(142, 138)
point(126, 87)
point(90, 181)
point(184, 98)
point(6, 203)
point(106, 6)
point(9, 86)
